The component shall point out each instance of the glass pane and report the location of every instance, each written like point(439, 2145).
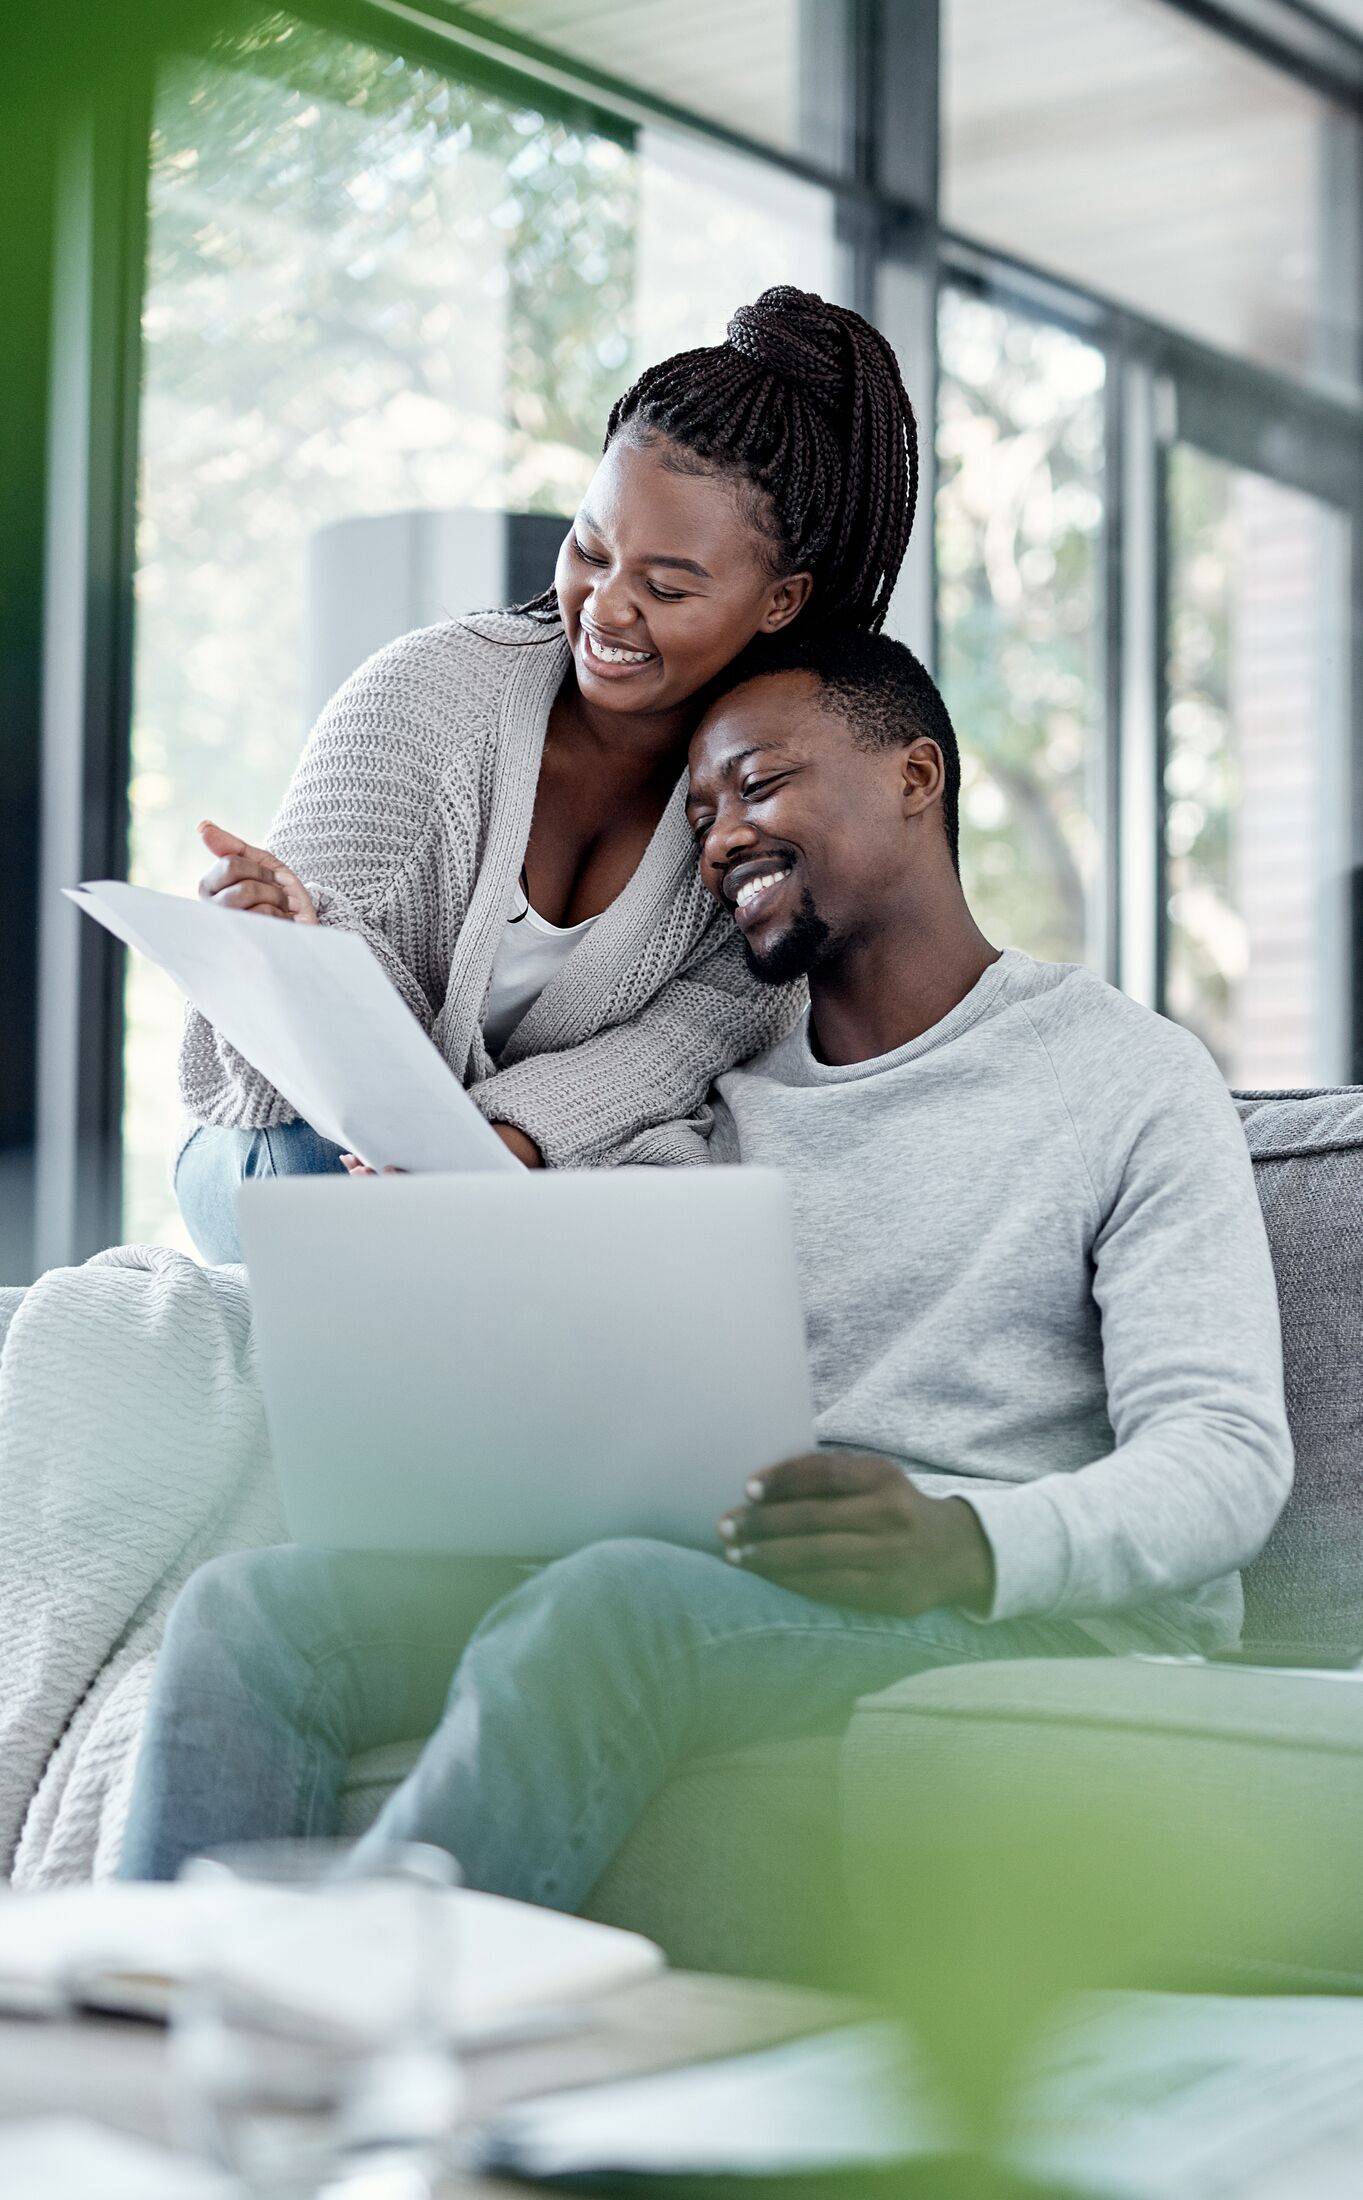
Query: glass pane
point(1255, 777)
point(373, 292)
point(1123, 145)
point(772, 69)
point(1019, 507)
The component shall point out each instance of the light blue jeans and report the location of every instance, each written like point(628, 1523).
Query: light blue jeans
point(557, 1701)
point(214, 1163)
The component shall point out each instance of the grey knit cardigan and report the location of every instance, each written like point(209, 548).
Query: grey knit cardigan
point(407, 819)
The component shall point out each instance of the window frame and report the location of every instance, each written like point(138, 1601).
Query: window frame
point(884, 186)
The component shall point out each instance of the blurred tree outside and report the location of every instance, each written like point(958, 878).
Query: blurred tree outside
point(369, 288)
point(1206, 944)
point(1019, 509)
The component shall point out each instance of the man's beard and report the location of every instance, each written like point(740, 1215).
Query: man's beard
point(795, 952)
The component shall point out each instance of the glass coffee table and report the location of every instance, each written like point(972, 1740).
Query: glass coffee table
point(116, 2072)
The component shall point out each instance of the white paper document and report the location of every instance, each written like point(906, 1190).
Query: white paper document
point(310, 1008)
point(1126, 2097)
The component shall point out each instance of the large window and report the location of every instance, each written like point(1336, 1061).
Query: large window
point(1019, 507)
point(1256, 781)
point(1124, 145)
point(770, 69)
point(372, 289)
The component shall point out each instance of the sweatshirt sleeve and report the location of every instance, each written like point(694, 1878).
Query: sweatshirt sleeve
point(1192, 1356)
point(631, 1093)
point(360, 824)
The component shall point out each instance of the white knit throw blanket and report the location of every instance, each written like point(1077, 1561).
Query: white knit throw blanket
point(132, 1448)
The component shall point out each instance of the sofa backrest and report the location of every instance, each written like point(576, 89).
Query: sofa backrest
point(1307, 1148)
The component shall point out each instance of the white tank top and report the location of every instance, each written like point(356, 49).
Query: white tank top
point(530, 952)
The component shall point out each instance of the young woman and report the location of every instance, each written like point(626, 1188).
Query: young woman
point(496, 805)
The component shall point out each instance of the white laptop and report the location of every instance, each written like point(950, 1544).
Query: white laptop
point(517, 1365)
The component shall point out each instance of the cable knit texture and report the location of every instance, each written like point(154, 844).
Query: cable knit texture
point(408, 819)
point(132, 1448)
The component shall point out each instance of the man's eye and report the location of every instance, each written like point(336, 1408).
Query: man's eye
point(755, 789)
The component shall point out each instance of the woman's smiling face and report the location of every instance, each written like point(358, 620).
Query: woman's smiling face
point(663, 579)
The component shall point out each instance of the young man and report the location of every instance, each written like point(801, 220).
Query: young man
point(1044, 1344)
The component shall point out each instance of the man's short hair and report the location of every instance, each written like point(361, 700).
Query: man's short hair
point(886, 696)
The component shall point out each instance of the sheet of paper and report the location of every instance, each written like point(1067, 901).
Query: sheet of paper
point(1128, 2097)
point(310, 1008)
point(832, 2101)
point(1197, 2097)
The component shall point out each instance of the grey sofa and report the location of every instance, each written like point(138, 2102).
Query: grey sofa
point(760, 1862)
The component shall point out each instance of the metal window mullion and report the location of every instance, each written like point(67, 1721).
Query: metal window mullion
point(1139, 686)
point(98, 260)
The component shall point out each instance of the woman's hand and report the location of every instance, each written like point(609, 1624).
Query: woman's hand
point(251, 878)
point(523, 1148)
point(516, 1142)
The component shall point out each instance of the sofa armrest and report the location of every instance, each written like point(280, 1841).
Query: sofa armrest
point(1234, 1792)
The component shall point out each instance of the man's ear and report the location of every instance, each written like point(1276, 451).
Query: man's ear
point(922, 776)
point(787, 597)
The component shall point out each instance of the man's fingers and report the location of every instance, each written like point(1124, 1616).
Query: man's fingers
point(866, 1513)
point(820, 1474)
point(796, 1555)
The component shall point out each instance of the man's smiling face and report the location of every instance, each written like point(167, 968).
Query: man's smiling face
point(801, 829)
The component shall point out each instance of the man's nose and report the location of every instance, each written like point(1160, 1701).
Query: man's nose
point(729, 838)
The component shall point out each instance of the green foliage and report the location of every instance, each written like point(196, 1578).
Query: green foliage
point(1019, 509)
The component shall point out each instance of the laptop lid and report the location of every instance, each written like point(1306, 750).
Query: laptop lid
point(520, 1365)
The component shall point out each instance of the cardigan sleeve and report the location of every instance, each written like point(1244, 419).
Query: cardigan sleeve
point(379, 798)
point(636, 1091)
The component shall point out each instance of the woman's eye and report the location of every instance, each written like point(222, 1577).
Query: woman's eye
point(666, 595)
point(586, 555)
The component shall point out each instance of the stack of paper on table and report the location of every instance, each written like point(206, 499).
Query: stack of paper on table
point(310, 1008)
point(337, 1959)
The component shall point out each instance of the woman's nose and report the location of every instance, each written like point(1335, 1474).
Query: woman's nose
point(611, 601)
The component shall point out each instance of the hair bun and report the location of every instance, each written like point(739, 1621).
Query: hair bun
point(795, 335)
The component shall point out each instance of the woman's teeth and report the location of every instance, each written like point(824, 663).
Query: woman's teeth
point(752, 887)
point(615, 656)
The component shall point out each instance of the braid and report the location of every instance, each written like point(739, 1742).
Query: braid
point(803, 404)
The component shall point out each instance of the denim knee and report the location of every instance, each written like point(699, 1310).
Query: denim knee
point(621, 1599)
point(215, 1161)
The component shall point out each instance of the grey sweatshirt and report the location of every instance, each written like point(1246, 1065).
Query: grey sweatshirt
point(1035, 1271)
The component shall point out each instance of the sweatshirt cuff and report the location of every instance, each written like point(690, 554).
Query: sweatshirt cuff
point(1026, 1533)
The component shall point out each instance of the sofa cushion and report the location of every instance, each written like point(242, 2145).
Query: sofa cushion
point(1307, 1149)
point(1238, 1790)
point(733, 1866)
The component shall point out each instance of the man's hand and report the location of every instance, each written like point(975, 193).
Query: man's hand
point(244, 877)
point(849, 1527)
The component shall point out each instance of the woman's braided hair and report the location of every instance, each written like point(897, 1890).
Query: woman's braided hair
point(804, 404)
